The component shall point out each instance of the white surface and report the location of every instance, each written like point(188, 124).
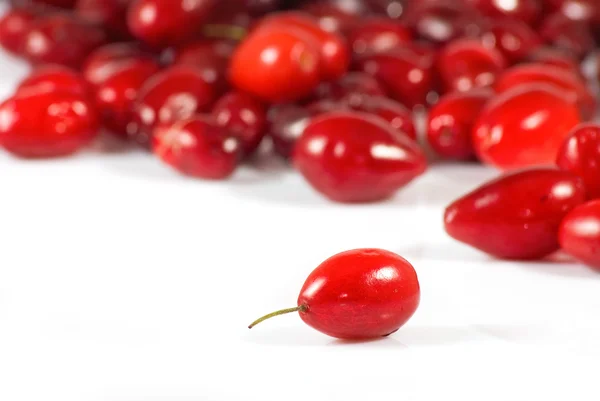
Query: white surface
point(122, 281)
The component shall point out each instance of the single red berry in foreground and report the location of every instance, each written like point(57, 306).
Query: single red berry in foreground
point(47, 124)
point(176, 93)
point(524, 126)
point(244, 117)
point(50, 78)
point(358, 294)
point(465, 64)
point(276, 65)
point(197, 147)
point(14, 27)
point(451, 120)
point(580, 154)
point(579, 233)
point(356, 157)
point(516, 216)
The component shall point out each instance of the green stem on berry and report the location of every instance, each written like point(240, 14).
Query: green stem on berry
point(301, 308)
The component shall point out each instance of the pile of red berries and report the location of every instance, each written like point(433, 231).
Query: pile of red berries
point(334, 86)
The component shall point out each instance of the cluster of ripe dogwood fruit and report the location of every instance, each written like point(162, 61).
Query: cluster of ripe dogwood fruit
point(334, 87)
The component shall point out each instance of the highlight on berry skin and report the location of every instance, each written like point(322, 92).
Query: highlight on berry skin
point(357, 294)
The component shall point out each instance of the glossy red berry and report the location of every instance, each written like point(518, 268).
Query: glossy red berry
point(116, 94)
point(197, 147)
point(244, 117)
point(176, 93)
point(167, 22)
point(395, 114)
point(46, 124)
point(513, 38)
point(333, 50)
point(528, 11)
point(355, 157)
point(108, 59)
point(576, 89)
point(377, 35)
point(211, 57)
point(466, 64)
point(571, 36)
point(61, 39)
point(358, 294)
point(579, 233)
point(451, 120)
point(580, 154)
point(49, 78)
point(516, 216)
point(407, 76)
point(276, 65)
point(524, 126)
point(14, 27)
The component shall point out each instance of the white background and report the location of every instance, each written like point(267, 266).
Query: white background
point(122, 281)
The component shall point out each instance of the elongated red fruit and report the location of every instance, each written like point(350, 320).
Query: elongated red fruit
point(358, 294)
point(335, 56)
point(42, 124)
point(516, 216)
point(356, 157)
point(524, 127)
point(276, 65)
